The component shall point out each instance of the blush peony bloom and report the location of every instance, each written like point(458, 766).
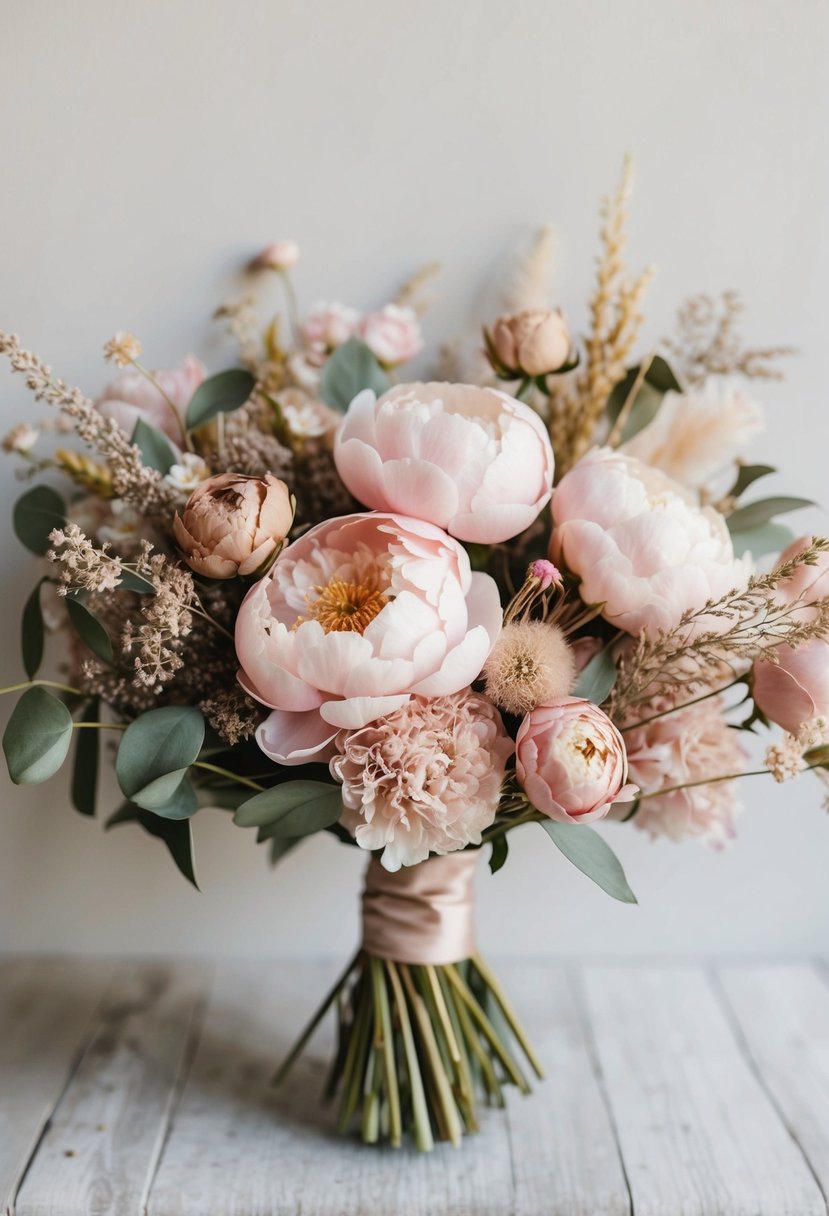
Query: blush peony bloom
point(795, 689)
point(570, 760)
point(529, 343)
point(132, 396)
point(698, 434)
point(392, 334)
point(328, 326)
point(808, 583)
point(639, 542)
point(425, 778)
point(685, 746)
point(471, 460)
point(355, 617)
point(234, 524)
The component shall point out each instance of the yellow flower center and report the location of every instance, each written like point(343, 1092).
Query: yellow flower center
point(342, 607)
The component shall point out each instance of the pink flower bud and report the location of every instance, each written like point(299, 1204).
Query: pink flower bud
point(234, 524)
point(546, 573)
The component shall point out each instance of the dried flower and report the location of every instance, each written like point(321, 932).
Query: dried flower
point(709, 343)
point(785, 759)
point(83, 567)
point(21, 439)
point(234, 524)
point(529, 665)
point(425, 778)
point(122, 349)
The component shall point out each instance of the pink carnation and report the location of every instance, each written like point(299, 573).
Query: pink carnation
point(641, 545)
point(131, 396)
point(425, 778)
point(355, 617)
point(688, 745)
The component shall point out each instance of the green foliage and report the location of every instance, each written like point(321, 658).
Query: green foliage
point(135, 582)
point(88, 628)
point(219, 394)
point(85, 767)
point(658, 380)
point(296, 808)
point(592, 855)
point(596, 681)
point(350, 369)
point(155, 752)
point(37, 737)
point(157, 452)
point(37, 513)
point(755, 514)
point(32, 633)
point(500, 849)
point(177, 835)
point(766, 538)
point(747, 475)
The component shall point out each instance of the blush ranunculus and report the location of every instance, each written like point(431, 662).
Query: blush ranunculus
point(356, 616)
point(529, 343)
point(795, 689)
point(640, 543)
point(234, 524)
point(472, 460)
point(131, 396)
point(571, 761)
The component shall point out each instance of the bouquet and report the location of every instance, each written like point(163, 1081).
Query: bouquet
point(527, 593)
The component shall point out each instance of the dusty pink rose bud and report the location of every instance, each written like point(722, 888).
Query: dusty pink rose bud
point(529, 343)
point(234, 524)
point(279, 255)
point(571, 761)
point(795, 689)
point(392, 334)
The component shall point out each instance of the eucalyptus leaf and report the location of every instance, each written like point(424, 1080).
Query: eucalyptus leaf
point(37, 513)
point(85, 767)
point(183, 803)
point(295, 808)
point(349, 370)
point(760, 512)
point(155, 752)
point(219, 394)
point(37, 737)
point(89, 629)
point(592, 855)
point(157, 452)
point(500, 849)
point(32, 633)
point(135, 582)
point(766, 538)
point(177, 835)
point(747, 475)
point(596, 680)
point(657, 381)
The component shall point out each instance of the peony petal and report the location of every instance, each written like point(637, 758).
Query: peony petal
point(296, 738)
point(359, 711)
point(460, 667)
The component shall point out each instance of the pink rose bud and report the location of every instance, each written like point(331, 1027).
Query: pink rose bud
point(392, 335)
point(234, 524)
point(530, 343)
point(546, 573)
point(131, 396)
point(795, 689)
point(328, 326)
point(571, 761)
point(279, 255)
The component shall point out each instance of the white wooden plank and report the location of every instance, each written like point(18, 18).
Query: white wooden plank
point(783, 1014)
point(565, 1157)
point(238, 1148)
point(102, 1144)
point(698, 1135)
point(46, 1007)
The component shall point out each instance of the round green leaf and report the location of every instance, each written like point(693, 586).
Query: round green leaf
point(350, 369)
point(219, 394)
point(296, 808)
point(89, 629)
point(37, 738)
point(37, 513)
point(155, 752)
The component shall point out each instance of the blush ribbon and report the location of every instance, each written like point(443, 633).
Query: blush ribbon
point(423, 913)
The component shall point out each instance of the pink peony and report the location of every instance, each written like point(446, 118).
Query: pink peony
point(808, 583)
point(392, 334)
point(472, 460)
point(570, 760)
point(131, 396)
point(355, 617)
point(328, 326)
point(425, 778)
point(640, 543)
point(795, 689)
point(234, 524)
point(685, 746)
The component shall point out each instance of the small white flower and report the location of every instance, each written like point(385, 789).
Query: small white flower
point(122, 349)
point(188, 474)
point(304, 421)
point(21, 438)
point(125, 524)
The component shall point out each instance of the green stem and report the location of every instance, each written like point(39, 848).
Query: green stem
point(224, 772)
point(98, 726)
point(296, 1050)
point(689, 785)
point(170, 403)
point(686, 705)
point(501, 829)
point(420, 1111)
point(77, 692)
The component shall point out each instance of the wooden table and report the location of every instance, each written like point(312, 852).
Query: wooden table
point(672, 1090)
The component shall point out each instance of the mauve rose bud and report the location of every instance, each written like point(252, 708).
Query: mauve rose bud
point(571, 761)
point(530, 343)
point(279, 255)
point(234, 524)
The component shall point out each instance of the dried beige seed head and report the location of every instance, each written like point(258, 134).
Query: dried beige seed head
point(530, 663)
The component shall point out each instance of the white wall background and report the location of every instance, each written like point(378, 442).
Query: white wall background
point(149, 149)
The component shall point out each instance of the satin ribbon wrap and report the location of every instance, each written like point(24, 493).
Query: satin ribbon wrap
point(423, 913)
